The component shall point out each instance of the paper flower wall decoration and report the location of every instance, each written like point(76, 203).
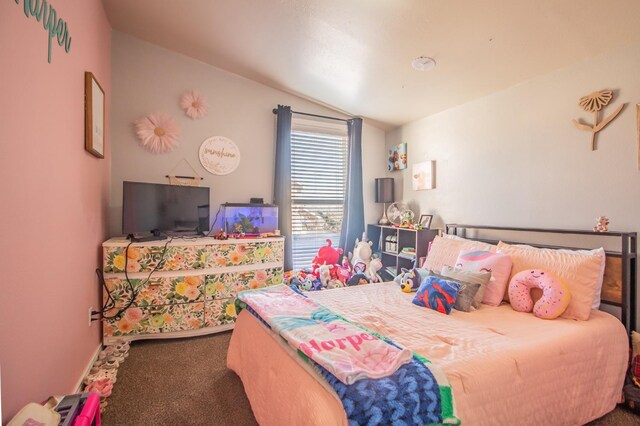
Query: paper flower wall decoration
point(594, 103)
point(193, 104)
point(158, 132)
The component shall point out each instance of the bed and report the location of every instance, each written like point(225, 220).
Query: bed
point(504, 367)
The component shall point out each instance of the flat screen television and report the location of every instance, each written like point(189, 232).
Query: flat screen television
point(160, 208)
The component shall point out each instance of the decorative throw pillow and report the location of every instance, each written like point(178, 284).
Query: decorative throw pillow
point(595, 252)
point(481, 278)
point(579, 271)
point(466, 293)
point(498, 264)
point(444, 251)
point(555, 294)
point(437, 294)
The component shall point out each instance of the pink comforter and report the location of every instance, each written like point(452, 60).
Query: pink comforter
point(505, 367)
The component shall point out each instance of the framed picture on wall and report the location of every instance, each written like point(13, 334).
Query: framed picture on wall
point(93, 116)
point(397, 157)
point(423, 176)
point(425, 220)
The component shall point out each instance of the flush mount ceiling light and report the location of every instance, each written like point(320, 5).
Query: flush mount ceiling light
point(423, 63)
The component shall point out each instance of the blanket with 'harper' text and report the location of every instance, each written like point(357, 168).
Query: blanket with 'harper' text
point(377, 381)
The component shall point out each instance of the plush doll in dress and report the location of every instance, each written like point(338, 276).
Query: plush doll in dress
point(344, 270)
point(361, 256)
point(372, 271)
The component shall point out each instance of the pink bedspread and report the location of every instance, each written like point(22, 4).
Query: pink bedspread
point(505, 367)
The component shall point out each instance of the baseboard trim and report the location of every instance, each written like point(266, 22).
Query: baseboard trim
point(78, 387)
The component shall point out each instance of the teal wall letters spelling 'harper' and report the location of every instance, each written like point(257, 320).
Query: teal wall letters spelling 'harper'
point(55, 26)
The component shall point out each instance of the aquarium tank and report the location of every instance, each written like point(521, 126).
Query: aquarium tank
point(250, 219)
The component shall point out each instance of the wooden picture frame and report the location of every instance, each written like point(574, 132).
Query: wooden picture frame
point(94, 116)
point(425, 221)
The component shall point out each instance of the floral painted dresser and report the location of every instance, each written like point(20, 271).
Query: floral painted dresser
point(192, 290)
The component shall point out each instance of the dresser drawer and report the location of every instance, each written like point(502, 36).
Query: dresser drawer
point(220, 286)
point(220, 312)
point(146, 259)
point(156, 319)
point(249, 253)
point(157, 291)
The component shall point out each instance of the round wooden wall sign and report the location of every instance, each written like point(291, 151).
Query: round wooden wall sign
point(219, 155)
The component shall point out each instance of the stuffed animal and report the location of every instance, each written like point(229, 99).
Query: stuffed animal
point(325, 274)
point(327, 255)
point(361, 256)
point(344, 270)
point(602, 225)
point(357, 279)
point(412, 279)
point(334, 284)
point(304, 284)
point(372, 271)
point(316, 284)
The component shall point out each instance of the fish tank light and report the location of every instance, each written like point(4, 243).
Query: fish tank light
point(250, 218)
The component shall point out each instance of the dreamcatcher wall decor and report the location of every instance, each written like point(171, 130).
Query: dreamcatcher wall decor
point(158, 132)
point(594, 103)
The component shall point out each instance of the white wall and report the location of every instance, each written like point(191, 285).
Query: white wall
point(514, 158)
point(148, 78)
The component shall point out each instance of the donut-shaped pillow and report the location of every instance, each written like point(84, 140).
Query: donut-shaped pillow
point(555, 294)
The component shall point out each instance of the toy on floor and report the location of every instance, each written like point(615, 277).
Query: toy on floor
point(103, 374)
point(602, 224)
point(372, 271)
point(324, 271)
point(327, 255)
point(357, 279)
point(361, 256)
point(344, 270)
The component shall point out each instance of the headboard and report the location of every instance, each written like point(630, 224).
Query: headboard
point(619, 285)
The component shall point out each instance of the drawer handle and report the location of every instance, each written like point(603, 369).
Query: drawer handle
point(154, 284)
point(246, 274)
point(155, 311)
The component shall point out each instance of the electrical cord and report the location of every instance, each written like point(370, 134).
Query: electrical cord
point(215, 219)
point(110, 303)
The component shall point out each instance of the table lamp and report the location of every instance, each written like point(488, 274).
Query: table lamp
point(384, 195)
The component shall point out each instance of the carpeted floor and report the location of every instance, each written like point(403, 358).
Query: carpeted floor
point(186, 382)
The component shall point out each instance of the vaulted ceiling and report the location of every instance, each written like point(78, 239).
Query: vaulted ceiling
point(355, 55)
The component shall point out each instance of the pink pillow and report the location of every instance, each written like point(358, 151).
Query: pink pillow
point(497, 263)
point(444, 251)
point(580, 271)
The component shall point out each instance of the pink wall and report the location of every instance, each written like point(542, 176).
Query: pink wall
point(53, 201)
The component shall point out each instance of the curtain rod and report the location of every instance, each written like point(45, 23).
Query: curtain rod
point(275, 111)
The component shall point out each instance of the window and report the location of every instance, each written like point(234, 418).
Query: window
point(318, 184)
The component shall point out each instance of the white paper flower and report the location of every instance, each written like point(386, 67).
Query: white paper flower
point(193, 104)
point(158, 132)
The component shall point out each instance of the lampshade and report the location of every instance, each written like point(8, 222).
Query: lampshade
point(384, 190)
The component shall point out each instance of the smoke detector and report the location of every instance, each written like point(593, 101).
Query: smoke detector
point(423, 63)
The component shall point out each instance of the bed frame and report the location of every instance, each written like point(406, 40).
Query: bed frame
point(620, 275)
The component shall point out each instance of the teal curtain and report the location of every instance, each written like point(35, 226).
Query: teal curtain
point(353, 218)
point(282, 182)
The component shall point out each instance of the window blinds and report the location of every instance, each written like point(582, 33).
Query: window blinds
point(318, 183)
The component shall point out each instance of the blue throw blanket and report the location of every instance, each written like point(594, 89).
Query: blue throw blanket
point(416, 394)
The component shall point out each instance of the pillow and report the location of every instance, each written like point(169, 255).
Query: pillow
point(579, 271)
point(437, 294)
point(472, 277)
point(498, 264)
point(598, 252)
point(466, 293)
point(444, 251)
point(555, 294)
